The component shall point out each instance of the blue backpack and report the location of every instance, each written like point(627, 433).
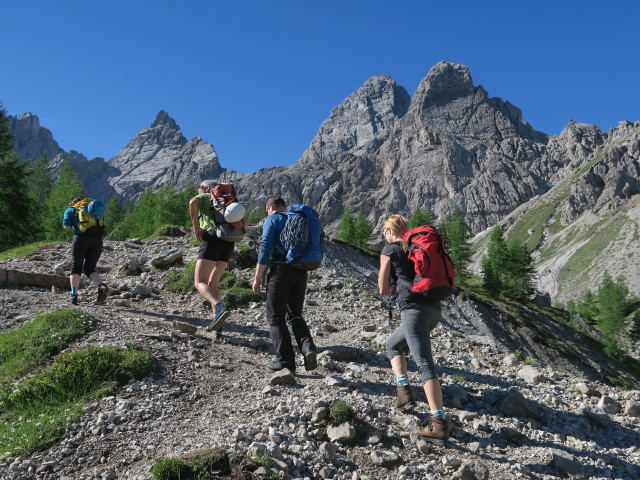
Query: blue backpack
point(302, 238)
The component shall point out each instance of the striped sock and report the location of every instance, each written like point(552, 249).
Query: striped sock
point(403, 379)
point(438, 413)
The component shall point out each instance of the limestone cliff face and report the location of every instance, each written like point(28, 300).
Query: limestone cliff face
point(31, 140)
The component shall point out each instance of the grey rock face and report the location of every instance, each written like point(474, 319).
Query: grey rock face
point(31, 140)
point(160, 156)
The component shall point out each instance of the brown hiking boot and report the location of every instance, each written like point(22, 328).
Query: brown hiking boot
point(404, 398)
point(437, 431)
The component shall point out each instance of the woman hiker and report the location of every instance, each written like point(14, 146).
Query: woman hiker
point(418, 317)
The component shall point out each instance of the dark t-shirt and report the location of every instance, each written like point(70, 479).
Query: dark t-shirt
point(403, 274)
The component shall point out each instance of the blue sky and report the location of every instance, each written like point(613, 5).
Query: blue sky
point(257, 78)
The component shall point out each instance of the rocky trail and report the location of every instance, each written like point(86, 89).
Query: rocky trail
point(514, 416)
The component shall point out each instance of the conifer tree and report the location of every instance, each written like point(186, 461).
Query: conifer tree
point(16, 211)
point(494, 262)
point(612, 299)
point(346, 228)
point(114, 216)
point(421, 216)
point(455, 230)
point(143, 219)
point(518, 276)
point(362, 230)
point(66, 187)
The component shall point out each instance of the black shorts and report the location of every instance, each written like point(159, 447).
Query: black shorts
point(212, 248)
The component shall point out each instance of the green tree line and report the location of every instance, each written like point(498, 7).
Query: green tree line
point(33, 197)
point(612, 311)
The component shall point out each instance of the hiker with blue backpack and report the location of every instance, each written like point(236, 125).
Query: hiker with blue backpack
point(289, 248)
point(415, 265)
point(85, 217)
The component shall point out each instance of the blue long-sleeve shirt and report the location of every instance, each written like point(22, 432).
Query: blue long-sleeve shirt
point(70, 219)
point(271, 249)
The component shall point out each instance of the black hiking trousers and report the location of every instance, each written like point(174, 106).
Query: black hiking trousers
point(286, 287)
point(85, 252)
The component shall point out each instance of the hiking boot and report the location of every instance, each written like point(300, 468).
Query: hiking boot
point(103, 291)
point(277, 366)
point(405, 400)
point(310, 359)
point(437, 431)
point(73, 299)
point(218, 319)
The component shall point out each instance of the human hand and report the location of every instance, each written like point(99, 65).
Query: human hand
point(257, 283)
point(199, 233)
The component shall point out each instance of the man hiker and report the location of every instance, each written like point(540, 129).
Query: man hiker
point(286, 287)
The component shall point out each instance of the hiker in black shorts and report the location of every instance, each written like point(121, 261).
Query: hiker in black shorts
point(86, 249)
point(213, 254)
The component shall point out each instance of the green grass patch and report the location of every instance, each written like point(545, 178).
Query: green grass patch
point(33, 344)
point(34, 413)
point(24, 250)
point(201, 464)
point(573, 270)
point(534, 219)
point(182, 282)
point(340, 412)
point(237, 297)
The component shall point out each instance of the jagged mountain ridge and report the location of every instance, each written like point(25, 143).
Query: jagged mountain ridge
point(379, 151)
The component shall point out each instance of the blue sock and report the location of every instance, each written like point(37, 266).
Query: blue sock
point(438, 413)
point(403, 379)
point(74, 290)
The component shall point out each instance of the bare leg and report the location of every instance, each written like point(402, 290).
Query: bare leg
point(75, 280)
point(207, 278)
point(399, 365)
point(433, 392)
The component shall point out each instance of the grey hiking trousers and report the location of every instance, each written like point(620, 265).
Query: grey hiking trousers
point(415, 332)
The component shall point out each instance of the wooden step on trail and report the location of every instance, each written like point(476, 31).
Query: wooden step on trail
point(17, 277)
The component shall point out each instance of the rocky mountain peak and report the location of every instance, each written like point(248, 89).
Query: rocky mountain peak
point(361, 123)
point(31, 140)
point(160, 156)
point(447, 76)
point(164, 120)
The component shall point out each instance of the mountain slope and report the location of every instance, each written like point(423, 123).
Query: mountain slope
point(527, 395)
point(588, 224)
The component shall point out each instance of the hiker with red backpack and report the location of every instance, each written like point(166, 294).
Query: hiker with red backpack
point(415, 265)
point(218, 222)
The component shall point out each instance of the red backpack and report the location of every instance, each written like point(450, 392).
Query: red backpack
point(222, 195)
point(433, 267)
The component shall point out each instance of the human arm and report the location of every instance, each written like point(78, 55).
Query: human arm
point(194, 205)
point(264, 253)
point(257, 280)
point(384, 275)
point(69, 218)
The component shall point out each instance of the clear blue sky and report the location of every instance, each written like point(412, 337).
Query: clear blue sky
point(257, 78)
